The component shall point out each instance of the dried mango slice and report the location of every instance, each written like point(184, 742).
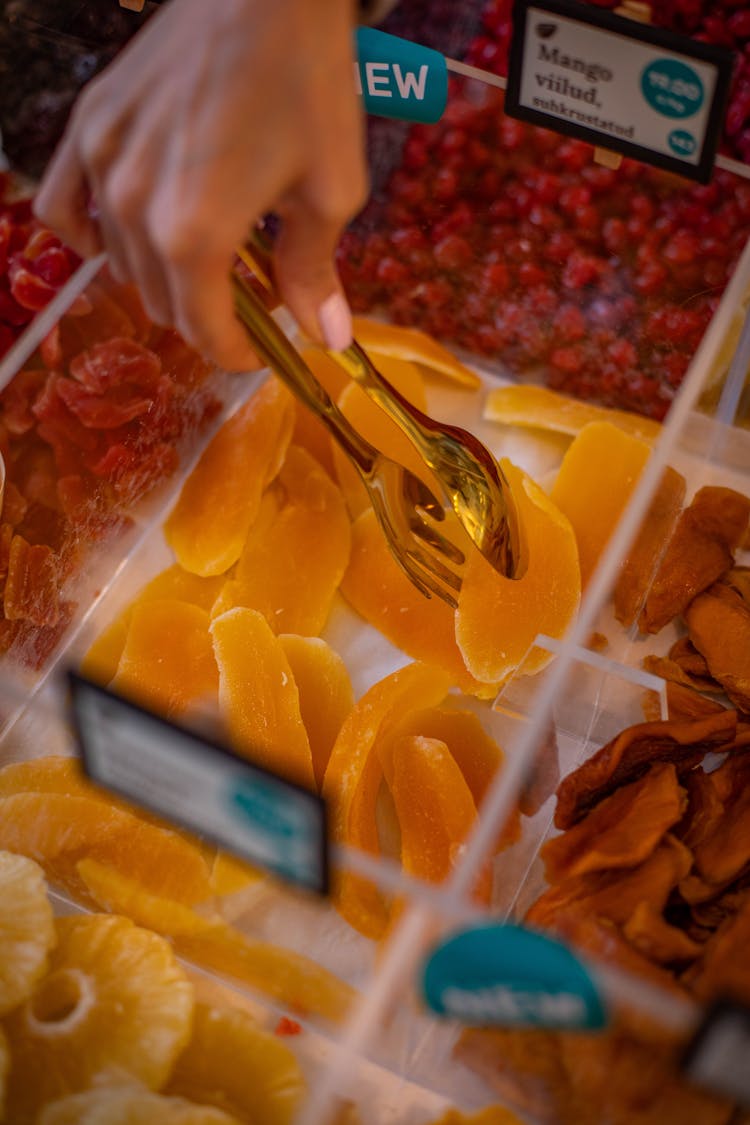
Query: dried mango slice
point(475, 752)
point(290, 570)
point(325, 693)
point(233, 1064)
point(290, 978)
point(174, 583)
point(615, 894)
point(380, 430)
point(396, 341)
point(627, 756)
point(118, 893)
point(498, 618)
point(718, 622)
point(434, 805)
point(638, 567)
point(354, 774)
point(309, 431)
point(652, 935)
point(701, 549)
point(168, 661)
point(219, 501)
point(258, 695)
point(524, 404)
point(595, 481)
point(376, 587)
point(622, 830)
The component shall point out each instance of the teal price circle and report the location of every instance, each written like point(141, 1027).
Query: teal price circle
point(681, 142)
point(672, 87)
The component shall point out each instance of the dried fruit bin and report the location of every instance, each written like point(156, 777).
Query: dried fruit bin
point(99, 419)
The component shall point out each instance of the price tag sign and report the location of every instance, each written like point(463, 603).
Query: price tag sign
point(400, 79)
point(510, 976)
point(201, 785)
point(622, 85)
point(719, 1054)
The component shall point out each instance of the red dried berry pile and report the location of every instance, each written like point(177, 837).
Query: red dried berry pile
point(33, 265)
point(509, 241)
point(92, 424)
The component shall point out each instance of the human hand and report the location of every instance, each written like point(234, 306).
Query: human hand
point(217, 112)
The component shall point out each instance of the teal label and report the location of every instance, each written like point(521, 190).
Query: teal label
point(673, 88)
point(278, 825)
point(511, 977)
point(400, 79)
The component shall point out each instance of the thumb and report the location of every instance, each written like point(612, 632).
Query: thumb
point(306, 276)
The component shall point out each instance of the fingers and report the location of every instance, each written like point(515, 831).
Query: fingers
point(306, 276)
point(204, 313)
point(63, 199)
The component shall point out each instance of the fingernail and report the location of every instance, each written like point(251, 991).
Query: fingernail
point(335, 322)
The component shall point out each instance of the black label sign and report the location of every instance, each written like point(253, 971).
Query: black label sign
point(201, 785)
point(622, 85)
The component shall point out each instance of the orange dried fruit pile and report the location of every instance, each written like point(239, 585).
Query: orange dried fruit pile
point(219, 501)
point(114, 1001)
point(233, 1064)
point(279, 572)
point(27, 931)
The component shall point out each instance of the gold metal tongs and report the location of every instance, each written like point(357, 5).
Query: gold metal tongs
point(472, 482)
point(406, 508)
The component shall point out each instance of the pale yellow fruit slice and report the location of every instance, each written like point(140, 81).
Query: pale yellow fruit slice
point(115, 1004)
point(524, 404)
point(126, 1105)
point(233, 1064)
point(118, 893)
point(27, 931)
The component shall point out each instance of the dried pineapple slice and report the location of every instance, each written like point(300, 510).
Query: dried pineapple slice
point(235, 1065)
point(127, 1105)
point(115, 1004)
point(27, 931)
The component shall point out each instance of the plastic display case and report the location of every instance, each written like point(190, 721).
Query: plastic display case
point(365, 1037)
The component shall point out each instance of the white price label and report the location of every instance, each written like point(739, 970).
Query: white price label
point(205, 787)
point(620, 84)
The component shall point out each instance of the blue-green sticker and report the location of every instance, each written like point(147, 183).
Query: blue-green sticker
point(672, 87)
point(400, 79)
point(511, 976)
